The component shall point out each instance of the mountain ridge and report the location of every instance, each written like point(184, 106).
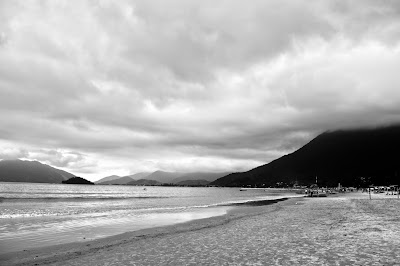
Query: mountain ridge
point(118, 181)
point(31, 171)
point(164, 177)
point(144, 182)
point(207, 176)
point(356, 157)
point(107, 178)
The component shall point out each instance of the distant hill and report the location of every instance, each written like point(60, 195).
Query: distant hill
point(144, 182)
point(31, 171)
point(140, 175)
point(350, 157)
point(119, 181)
point(200, 182)
point(161, 177)
point(78, 180)
point(198, 176)
point(107, 178)
point(176, 177)
point(164, 177)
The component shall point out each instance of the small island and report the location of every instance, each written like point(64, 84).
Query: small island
point(77, 180)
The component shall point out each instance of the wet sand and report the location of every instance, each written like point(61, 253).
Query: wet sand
point(345, 229)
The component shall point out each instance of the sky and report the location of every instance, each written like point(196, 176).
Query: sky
point(102, 87)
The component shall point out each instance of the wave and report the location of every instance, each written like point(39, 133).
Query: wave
point(56, 193)
point(124, 210)
point(258, 202)
point(74, 198)
point(252, 202)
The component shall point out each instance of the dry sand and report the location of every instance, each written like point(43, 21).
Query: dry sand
point(346, 229)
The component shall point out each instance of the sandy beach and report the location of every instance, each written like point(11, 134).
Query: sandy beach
point(344, 229)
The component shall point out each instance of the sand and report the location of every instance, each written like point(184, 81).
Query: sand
point(345, 229)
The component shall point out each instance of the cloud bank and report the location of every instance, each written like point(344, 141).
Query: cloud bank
point(118, 87)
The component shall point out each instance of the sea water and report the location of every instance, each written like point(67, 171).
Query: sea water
point(37, 215)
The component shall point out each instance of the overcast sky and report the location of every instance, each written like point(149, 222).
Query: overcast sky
point(119, 87)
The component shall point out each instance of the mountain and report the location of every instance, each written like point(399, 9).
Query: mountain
point(140, 175)
point(200, 182)
point(107, 178)
point(31, 171)
point(144, 182)
point(77, 180)
point(350, 157)
point(118, 181)
point(163, 177)
point(198, 176)
point(176, 177)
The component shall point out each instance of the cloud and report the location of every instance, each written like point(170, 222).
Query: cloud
point(104, 87)
point(57, 158)
point(63, 159)
point(12, 153)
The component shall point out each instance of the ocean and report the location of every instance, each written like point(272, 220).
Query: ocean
point(38, 215)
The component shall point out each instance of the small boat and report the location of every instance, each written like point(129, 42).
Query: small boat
point(242, 189)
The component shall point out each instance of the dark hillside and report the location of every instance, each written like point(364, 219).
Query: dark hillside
point(350, 157)
point(30, 171)
point(78, 181)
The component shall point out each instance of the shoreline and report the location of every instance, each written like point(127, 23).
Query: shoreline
point(343, 229)
point(61, 252)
